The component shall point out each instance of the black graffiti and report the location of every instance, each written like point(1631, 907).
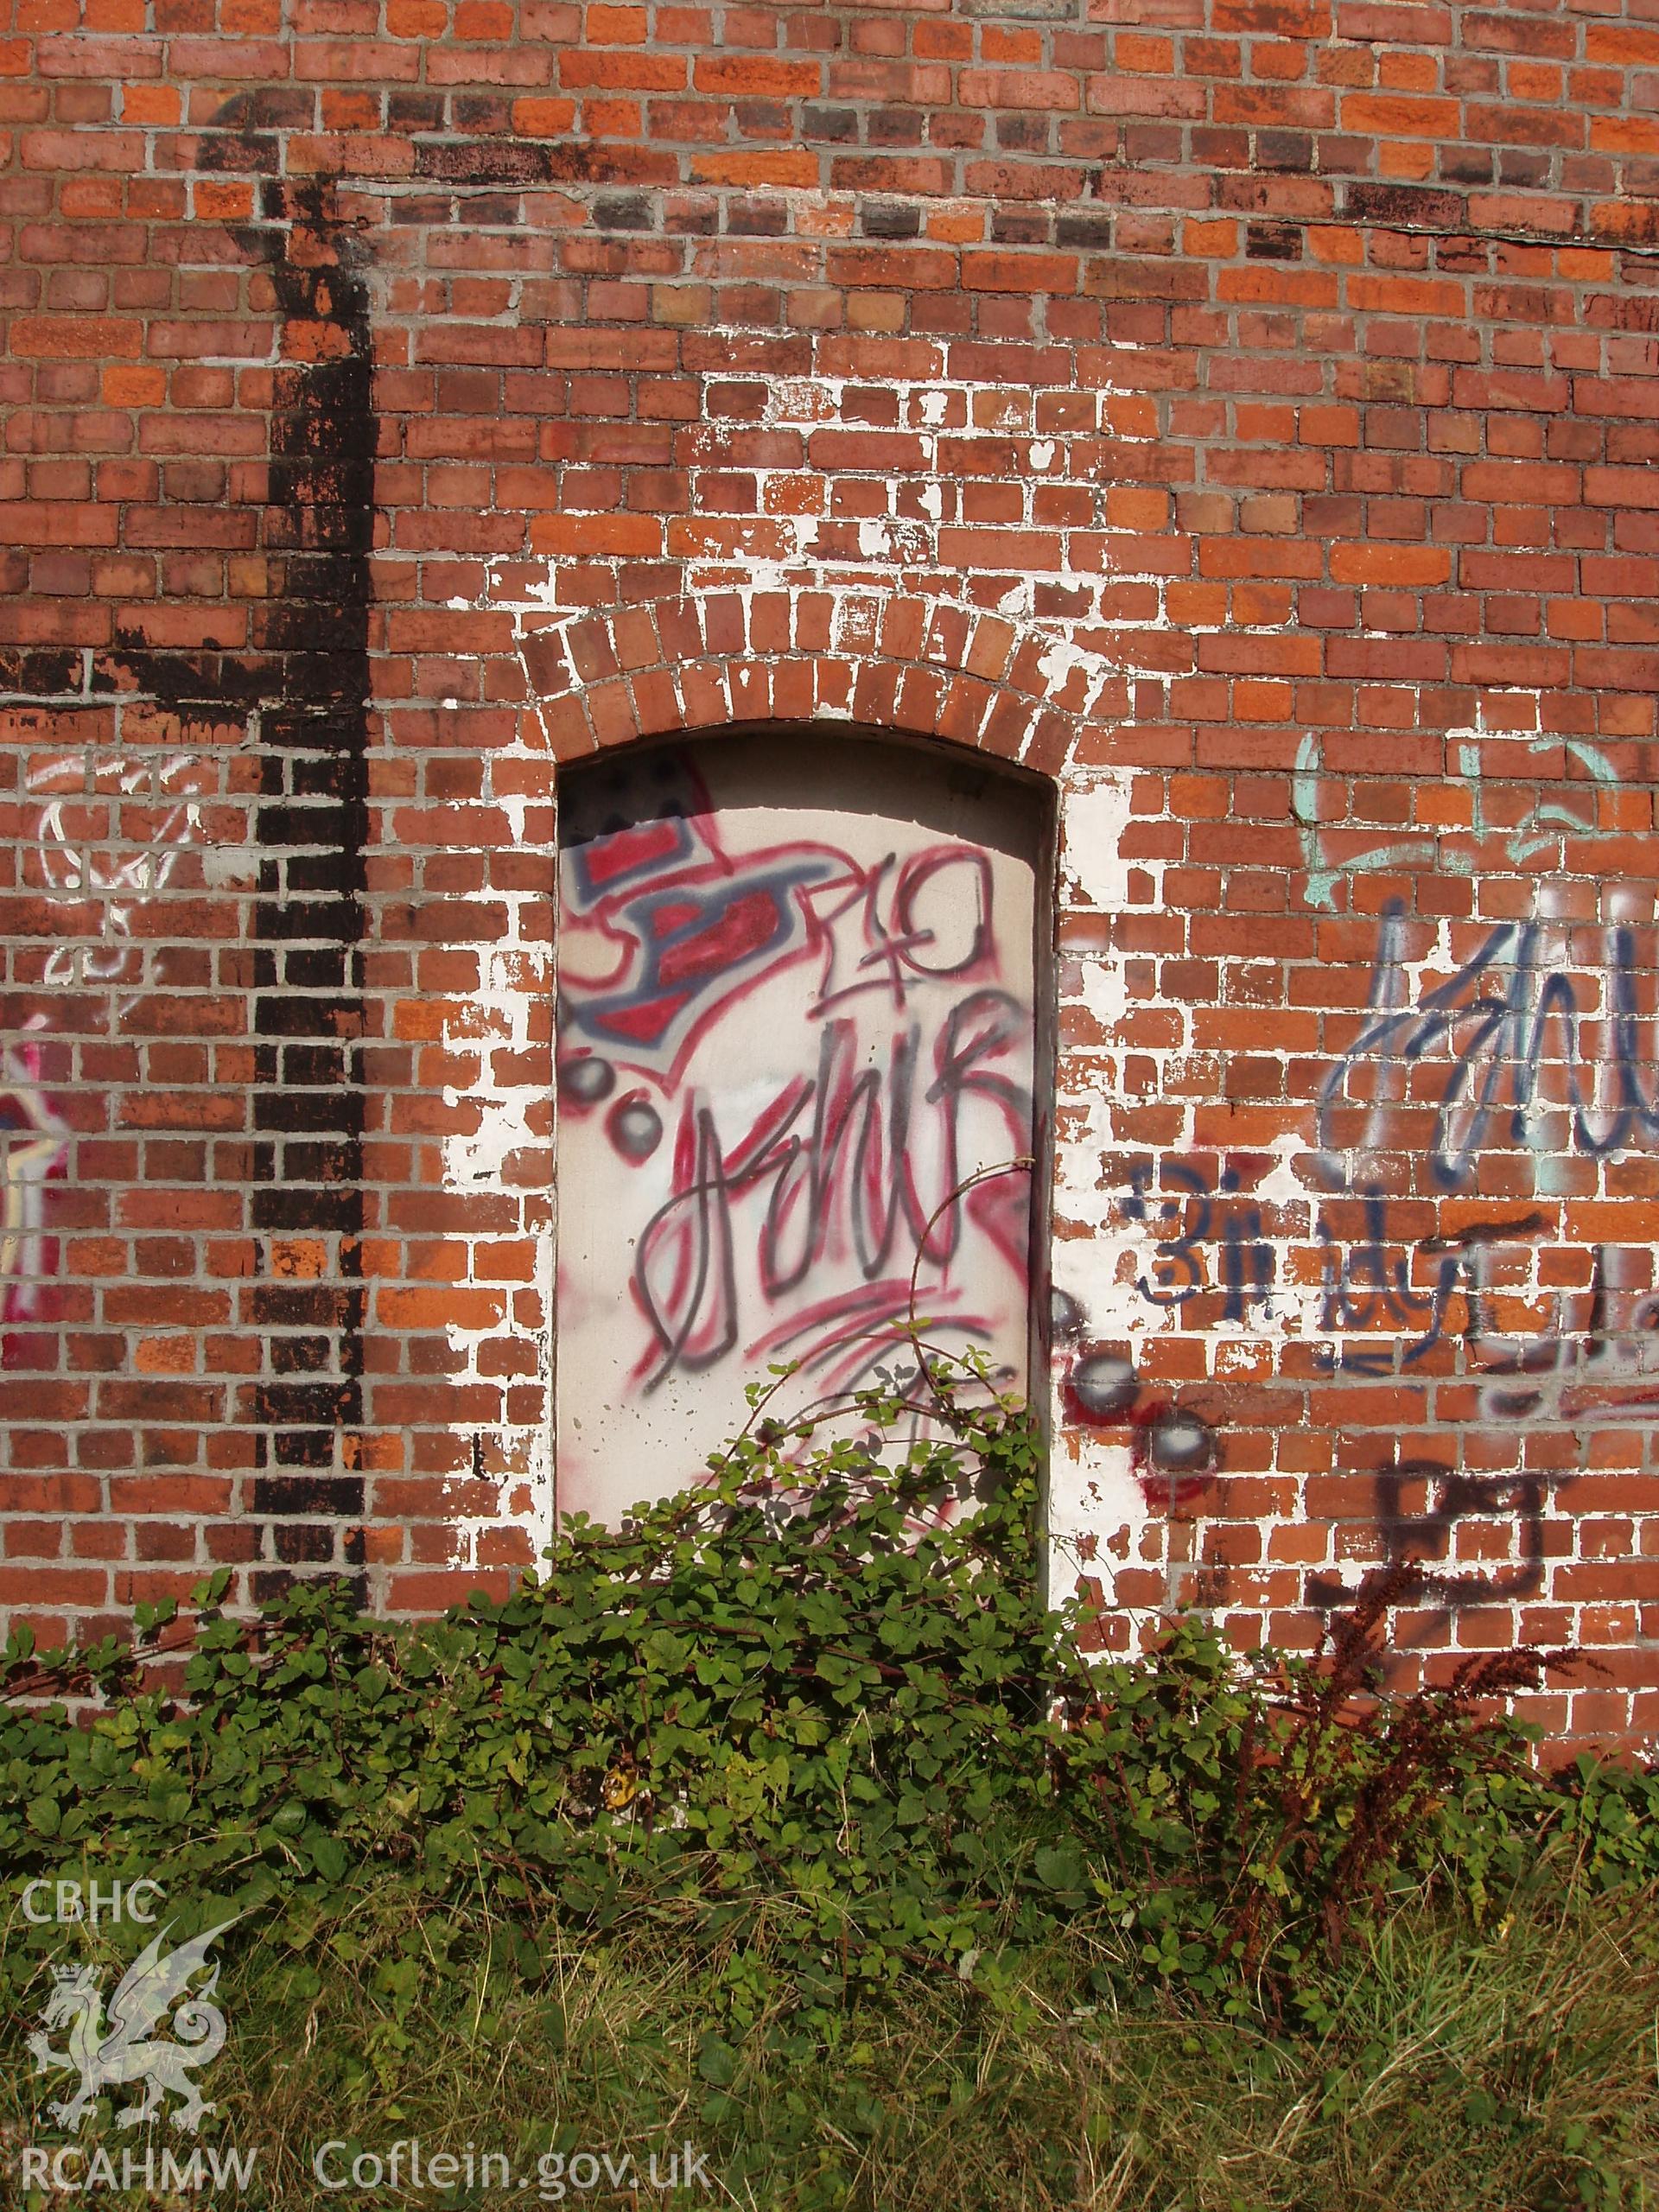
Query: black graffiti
point(685, 1268)
point(1421, 1537)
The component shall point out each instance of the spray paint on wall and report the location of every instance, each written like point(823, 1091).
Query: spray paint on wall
point(795, 1016)
point(113, 826)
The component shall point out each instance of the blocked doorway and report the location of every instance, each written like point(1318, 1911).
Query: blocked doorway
point(803, 990)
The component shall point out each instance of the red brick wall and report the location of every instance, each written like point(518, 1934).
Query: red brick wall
point(1241, 411)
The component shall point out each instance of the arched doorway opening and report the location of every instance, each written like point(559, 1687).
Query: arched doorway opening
point(804, 992)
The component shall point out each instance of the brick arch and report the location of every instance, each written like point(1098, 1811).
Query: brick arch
point(925, 667)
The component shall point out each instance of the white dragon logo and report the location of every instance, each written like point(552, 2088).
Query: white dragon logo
point(107, 2057)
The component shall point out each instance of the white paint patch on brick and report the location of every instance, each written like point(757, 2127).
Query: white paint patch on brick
point(515, 979)
point(1094, 815)
point(1096, 1511)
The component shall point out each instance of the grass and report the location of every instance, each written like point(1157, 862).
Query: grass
point(1514, 2070)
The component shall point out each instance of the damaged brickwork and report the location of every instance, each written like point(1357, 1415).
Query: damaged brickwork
point(1239, 415)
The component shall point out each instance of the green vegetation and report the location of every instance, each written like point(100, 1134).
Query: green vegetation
point(789, 1822)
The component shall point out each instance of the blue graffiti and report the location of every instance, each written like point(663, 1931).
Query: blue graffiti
point(1367, 1282)
point(1496, 1019)
point(1216, 1242)
point(1221, 1215)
